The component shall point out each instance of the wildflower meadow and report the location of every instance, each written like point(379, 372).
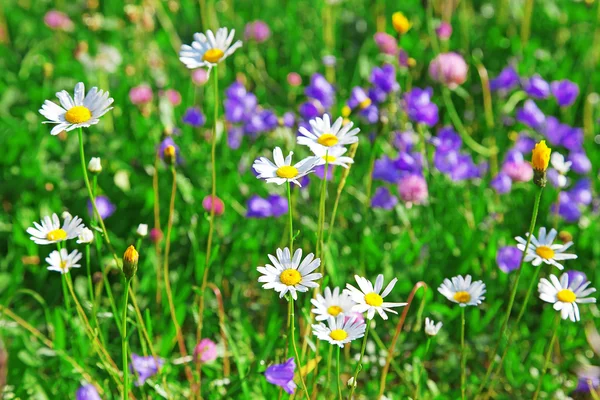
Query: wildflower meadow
point(328, 199)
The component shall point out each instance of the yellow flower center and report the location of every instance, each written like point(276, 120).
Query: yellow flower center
point(78, 115)
point(545, 252)
point(334, 310)
point(329, 158)
point(365, 103)
point(213, 55)
point(57, 234)
point(373, 299)
point(63, 265)
point(566, 296)
point(540, 156)
point(327, 139)
point(290, 277)
point(462, 297)
point(338, 334)
point(170, 151)
point(287, 172)
point(346, 111)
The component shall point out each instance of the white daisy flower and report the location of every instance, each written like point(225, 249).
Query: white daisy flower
point(208, 50)
point(462, 291)
point(340, 330)
point(369, 298)
point(282, 170)
point(289, 274)
point(431, 328)
point(86, 236)
point(79, 111)
point(565, 295)
point(326, 135)
point(542, 250)
point(332, 304)
point(50, 231)
point(63, 261)
point(332, 156)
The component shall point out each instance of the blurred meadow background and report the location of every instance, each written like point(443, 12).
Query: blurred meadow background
point(299, 60)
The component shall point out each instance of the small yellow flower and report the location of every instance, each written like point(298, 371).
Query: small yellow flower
point(130, 262)
point(401, 23)
point(346, 111)
point(540, 156)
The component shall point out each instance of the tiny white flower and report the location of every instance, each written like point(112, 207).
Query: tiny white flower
point(332, 304)
point(340, 330)
point(565, 295)
point(63, 261)
point(79, 111)
point(86, 236)
point(325, 135)
point(142, 230)
point(282, 170)
point(542, 249)
point(460, 290)
point(332, 156)
point(65, 215)
point(209, 50)
point(369, 298)
point(50, 231)
point(558, 162)
point(290, 274)
point(431, 328)
point(95, 165)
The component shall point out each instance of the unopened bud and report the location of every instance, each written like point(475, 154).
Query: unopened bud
point(170, 154)
point(95, 165)
point(130, 262)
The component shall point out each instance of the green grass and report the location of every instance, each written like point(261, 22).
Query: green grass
point(459, 232)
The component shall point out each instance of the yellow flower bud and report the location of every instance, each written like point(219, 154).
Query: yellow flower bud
point(130, 262)
point(401, 23)
point(170, 154)
point(540, 156)
point(540, 159)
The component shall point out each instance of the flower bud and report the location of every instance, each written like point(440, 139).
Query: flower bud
point(142, 230)
point(540, 158)
point(95, 165)
point(401, 23)
point(130, 262)
point(209, 202)
point(170, 154)
point(86, 236)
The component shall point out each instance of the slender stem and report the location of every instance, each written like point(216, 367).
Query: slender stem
point(289, 196)
point(89, 276)
point(359, 366)
point(513, 293)
point(526, 24)
point(337, 368)
point(66, 295)
point(178, 334)
point(399, 327)
point(463, 369)
point(329, 358)
point(91, 196)
point(416, 395)
point(469, 141)
point(124, 340)
point(319, 251)
point(155, 189)
point(548, 355)
point(213, 161)
point(293, 340)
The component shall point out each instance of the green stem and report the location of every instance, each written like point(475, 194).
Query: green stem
point(213, 162)
point(548, 355)
point(289, 196)
point(66, 295)
point(463, 369)
point(337, 367)
point(124, 340)
point(293, 340)
point(359, 366)
point(319, 251)
point(89, 276)
point(513, 293)
point(469, 141)
point(416, 395)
